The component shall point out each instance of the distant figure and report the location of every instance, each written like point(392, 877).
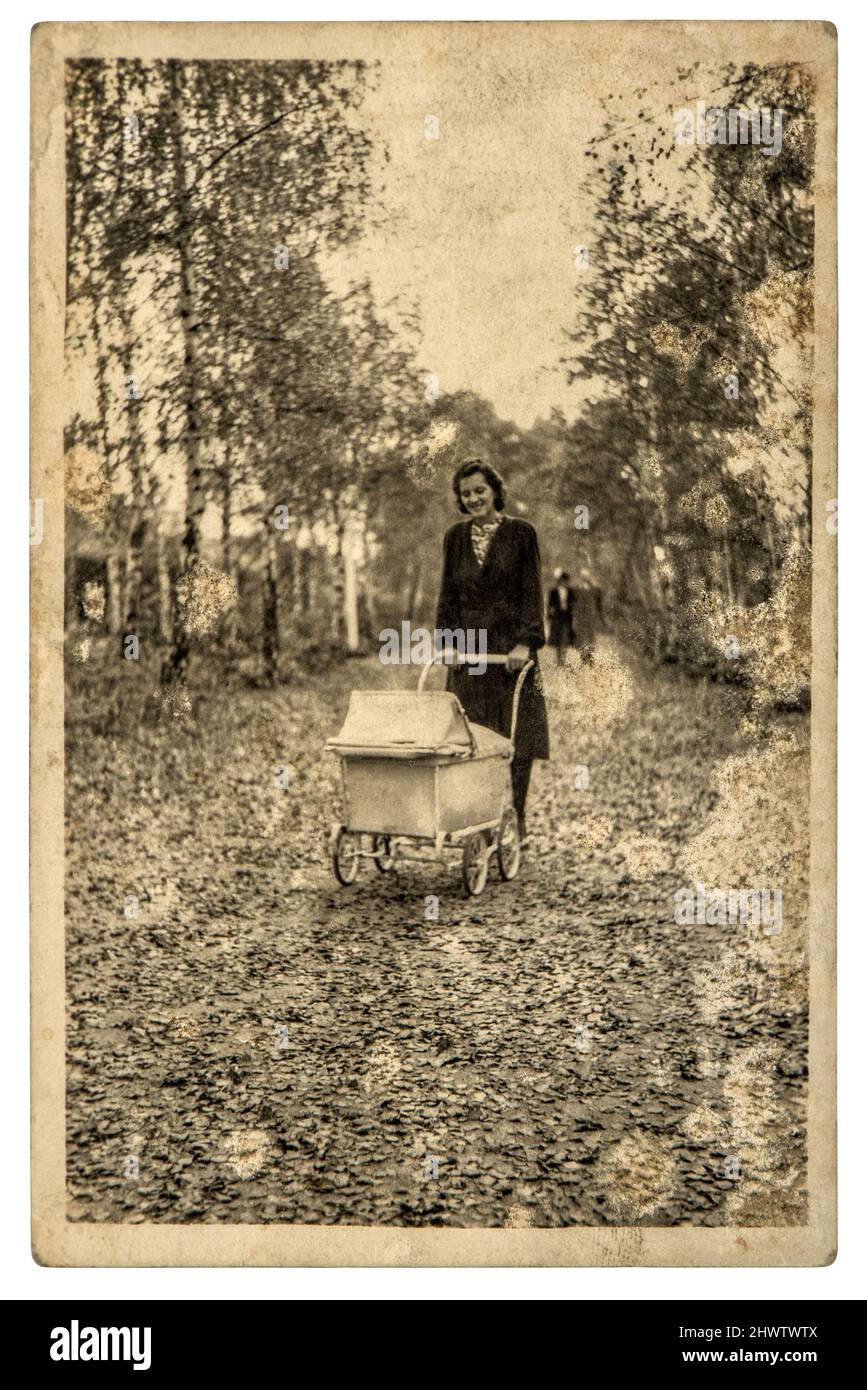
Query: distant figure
point(561, 605)
point(586, 615)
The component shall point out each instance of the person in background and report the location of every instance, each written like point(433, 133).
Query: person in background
point(561, 604)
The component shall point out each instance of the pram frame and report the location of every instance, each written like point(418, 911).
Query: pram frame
point(474, 842)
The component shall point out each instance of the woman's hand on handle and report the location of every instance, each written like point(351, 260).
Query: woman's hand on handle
point(517, 656)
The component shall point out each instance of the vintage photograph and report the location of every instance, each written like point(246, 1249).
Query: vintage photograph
point(436, 542)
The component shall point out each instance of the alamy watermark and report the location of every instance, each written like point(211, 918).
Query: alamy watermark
point(419, 646)
point(718, 125)
point(76, 1343)
point(713, 906)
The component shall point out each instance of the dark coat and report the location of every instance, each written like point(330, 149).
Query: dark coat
point(561, 630)
point(503, 597)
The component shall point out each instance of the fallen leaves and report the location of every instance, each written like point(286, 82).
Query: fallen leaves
point(272, 1047)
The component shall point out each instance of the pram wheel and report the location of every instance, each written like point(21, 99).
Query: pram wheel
point(382, 855)
point(344, 854)
point(508, 845)
point(475, 863)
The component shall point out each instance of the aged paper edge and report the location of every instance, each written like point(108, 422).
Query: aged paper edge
point(57, 1242)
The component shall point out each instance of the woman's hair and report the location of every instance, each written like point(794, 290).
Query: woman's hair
point(490, 475)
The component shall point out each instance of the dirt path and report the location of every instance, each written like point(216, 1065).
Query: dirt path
point(250, 1042)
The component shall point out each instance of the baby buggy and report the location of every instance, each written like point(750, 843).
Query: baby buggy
point(418, 776)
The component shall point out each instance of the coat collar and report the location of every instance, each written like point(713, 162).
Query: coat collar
point(504, 521)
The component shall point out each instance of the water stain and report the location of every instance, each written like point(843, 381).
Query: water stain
point(246, 1151)
point(204, 595)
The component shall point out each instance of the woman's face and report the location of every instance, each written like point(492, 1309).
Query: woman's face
point(477, 496)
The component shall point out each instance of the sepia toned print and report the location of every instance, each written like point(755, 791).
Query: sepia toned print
point(434, 622)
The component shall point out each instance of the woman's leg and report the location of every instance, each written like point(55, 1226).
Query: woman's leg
point(521, 769)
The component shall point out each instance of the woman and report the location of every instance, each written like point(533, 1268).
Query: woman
point(492, 582)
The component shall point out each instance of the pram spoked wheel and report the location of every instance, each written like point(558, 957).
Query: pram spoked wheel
point(475, 863)
point(508, 845)
point(344, 854)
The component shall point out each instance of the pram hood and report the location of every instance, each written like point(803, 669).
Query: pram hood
point(403, 724)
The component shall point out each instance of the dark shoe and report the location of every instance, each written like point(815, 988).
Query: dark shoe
point(522, 830)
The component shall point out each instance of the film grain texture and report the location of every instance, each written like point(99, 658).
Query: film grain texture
point(433, 549)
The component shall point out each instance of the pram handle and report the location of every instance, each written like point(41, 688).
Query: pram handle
point(450, 657)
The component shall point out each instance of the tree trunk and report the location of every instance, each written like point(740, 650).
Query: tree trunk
point(365, 615)
point(164, 590)
point(70, 602)
point(114, 597)
point(133, 571)
point(136, 528)
point(230, 620)
point(335, 588)
point(176, 667)
point(350, 548)
point(412, 592)
point(270, 608)
point(335, 598)
point(290, 580)
point(727, 571)
point(302, 573)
